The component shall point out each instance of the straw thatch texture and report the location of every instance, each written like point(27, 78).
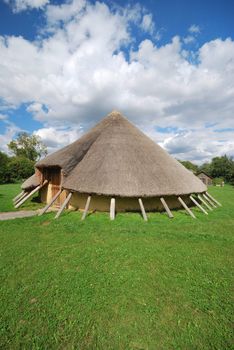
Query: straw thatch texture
point(32, 182)
point(68, 157)
point(115, 158)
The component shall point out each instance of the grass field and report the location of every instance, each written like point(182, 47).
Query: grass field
point(126, 284)
point(7, 192)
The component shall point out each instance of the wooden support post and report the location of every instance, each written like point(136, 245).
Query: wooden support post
point(186, 208)
point(63, 205)
point(204, 202)
point(86, 208)
point(169, 213)
point(112, 209)
point(198, 205)
point(30, 194)
point(142, 209)
point(44, 210)
point(18, 196)
point(214, 200)
point(209, 201)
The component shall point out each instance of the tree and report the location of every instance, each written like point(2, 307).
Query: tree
point(28, 146)
point(223, 167)
point(19, 168)
point(206, 168)
point(4, 160)
point(189, 165)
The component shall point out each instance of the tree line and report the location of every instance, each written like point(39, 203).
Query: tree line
point(220, 168)
point(27, 149)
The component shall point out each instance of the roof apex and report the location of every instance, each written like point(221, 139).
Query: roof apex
point(115, 115)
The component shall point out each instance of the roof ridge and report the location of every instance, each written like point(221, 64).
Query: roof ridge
point(113, 116)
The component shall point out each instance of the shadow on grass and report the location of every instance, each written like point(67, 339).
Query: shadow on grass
point(36, 200)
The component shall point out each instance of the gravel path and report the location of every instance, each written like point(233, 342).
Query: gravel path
point(18, 214)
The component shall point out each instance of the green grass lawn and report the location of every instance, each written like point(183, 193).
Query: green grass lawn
point(8, 192)
point(125, 284)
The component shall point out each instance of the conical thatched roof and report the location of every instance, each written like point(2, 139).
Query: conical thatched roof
point(117, 159)
point(68, 157)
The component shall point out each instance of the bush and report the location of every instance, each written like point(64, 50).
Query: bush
point(218, 181)
point(4, 160)
point(19, 168)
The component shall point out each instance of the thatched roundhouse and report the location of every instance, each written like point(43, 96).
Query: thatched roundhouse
point(205, 178)
point(114, 161)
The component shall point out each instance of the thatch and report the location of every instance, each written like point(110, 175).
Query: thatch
point(117, 159)
point(68, 157)
point(203, 172)
point(32, 182)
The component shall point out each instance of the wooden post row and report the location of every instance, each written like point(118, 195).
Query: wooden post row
point(44, 210)
point(30, 194)
point(198, 205)
point(169, 213)
point(142, 209)
point(186, 208)
point(214, 200)
point(18, 196)
point(86, 207)
point(209, 201)
point(204, 202)
point(63, 205)
point(112, 209)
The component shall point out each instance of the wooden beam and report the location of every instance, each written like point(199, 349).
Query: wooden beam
point(86, 208)
point(214, 200)
point(18, 196)
point(186, 208)
point(204, 202)
point(30, 194)
point(209, 201)
point(112, 209)
point(142, 209)
point(63, 205)
point(169, 213)
point(44, 210)
point(198, 205)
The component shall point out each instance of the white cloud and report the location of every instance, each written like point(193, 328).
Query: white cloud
point(56, 137)
point(189, 39)
point(193, 145)
point(147, 23)
point(195, 29)
point(9, 134)
point(79, 72)
point(22, 5)
point(3, 116)
point(64, 12)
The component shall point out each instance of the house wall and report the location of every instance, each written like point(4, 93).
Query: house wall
point(47, 193)
point(102, 203)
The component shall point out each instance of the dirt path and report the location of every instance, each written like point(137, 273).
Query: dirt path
point(18, 214)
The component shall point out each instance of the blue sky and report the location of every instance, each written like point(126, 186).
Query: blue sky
point(167, 65)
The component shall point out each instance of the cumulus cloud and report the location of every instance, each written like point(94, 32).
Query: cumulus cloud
point(194, 29)
point(79, 71)
point(3, 116)
point(8, 135)
point(22, 5)
point(64, 12)
point(189, 39)
point(147, 23)
point(55, 137)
